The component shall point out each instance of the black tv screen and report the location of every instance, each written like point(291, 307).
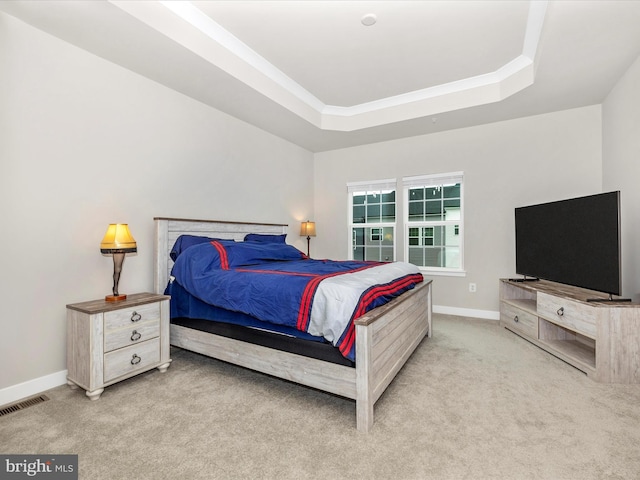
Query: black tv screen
point(575, 242)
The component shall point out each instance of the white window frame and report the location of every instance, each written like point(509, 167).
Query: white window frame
point(434, 181)
point(375, 185)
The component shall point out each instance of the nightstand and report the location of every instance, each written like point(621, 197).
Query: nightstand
point(110, 341)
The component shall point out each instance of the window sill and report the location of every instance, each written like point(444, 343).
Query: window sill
point(443, 273)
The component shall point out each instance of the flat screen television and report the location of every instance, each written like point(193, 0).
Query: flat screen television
point(574, 241)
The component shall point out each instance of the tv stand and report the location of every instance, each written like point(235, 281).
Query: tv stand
point(597, 336)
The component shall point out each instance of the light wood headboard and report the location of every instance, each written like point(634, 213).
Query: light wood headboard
point(169, 229)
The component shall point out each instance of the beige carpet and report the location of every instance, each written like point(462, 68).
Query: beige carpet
point(474, 402)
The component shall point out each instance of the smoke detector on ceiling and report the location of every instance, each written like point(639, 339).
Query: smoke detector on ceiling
point(369, 19)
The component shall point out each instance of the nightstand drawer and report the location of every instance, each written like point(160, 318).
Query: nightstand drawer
point(568, 313)
point(516, 319)
point(131, 316)
point(130, 359)
point(134, 334)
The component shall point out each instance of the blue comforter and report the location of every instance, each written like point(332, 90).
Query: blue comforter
point(277, 283)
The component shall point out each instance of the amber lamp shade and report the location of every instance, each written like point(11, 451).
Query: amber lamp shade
point(308, 229)
point(117, 242)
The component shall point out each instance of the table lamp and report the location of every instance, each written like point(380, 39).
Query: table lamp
point(117, 242)
point(309, 229)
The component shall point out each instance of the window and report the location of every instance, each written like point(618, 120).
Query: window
point(372, 210)
point(434, 222)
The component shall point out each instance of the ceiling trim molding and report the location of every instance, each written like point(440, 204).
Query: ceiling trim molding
point(185, 24)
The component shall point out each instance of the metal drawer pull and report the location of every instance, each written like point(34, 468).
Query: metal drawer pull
point(560, 311)
point(516, 319)
point(135, 316)
point(135, 335)
point(135, 359)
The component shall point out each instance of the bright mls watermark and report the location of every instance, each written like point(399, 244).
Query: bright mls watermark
point(50, 467)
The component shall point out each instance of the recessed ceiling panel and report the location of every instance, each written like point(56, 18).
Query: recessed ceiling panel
point(323, 45)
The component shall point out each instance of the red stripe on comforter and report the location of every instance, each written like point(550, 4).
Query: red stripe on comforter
point(304, 314)
point(367, 298)
point(224, 260)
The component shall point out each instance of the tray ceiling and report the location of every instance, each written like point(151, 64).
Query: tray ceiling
point(313, 73)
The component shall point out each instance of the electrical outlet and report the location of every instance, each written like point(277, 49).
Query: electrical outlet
point(472, 287)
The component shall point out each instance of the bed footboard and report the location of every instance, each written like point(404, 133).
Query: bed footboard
point(385, 339)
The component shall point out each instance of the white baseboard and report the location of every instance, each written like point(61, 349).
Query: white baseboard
point(467, 312)
point(32, 387)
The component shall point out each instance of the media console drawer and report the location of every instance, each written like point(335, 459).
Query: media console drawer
point(517, 319)
point(568, 313)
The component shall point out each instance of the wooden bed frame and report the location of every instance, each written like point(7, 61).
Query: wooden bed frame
point(385, 337)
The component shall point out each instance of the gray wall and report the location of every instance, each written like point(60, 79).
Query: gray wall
point(621, 169)
point(506, 164)
point(85, 143)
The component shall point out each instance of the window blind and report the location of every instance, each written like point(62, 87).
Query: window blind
point(388, 184)
point(433, 180)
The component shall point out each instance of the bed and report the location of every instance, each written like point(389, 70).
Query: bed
point(385, 336)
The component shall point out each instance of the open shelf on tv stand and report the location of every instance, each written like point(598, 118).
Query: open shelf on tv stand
point(595, 335)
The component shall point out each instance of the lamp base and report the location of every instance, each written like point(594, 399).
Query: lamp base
point(115, 298)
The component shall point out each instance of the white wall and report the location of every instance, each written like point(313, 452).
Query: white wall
point(507, 164)
point(84, 143)
point(621, 169)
